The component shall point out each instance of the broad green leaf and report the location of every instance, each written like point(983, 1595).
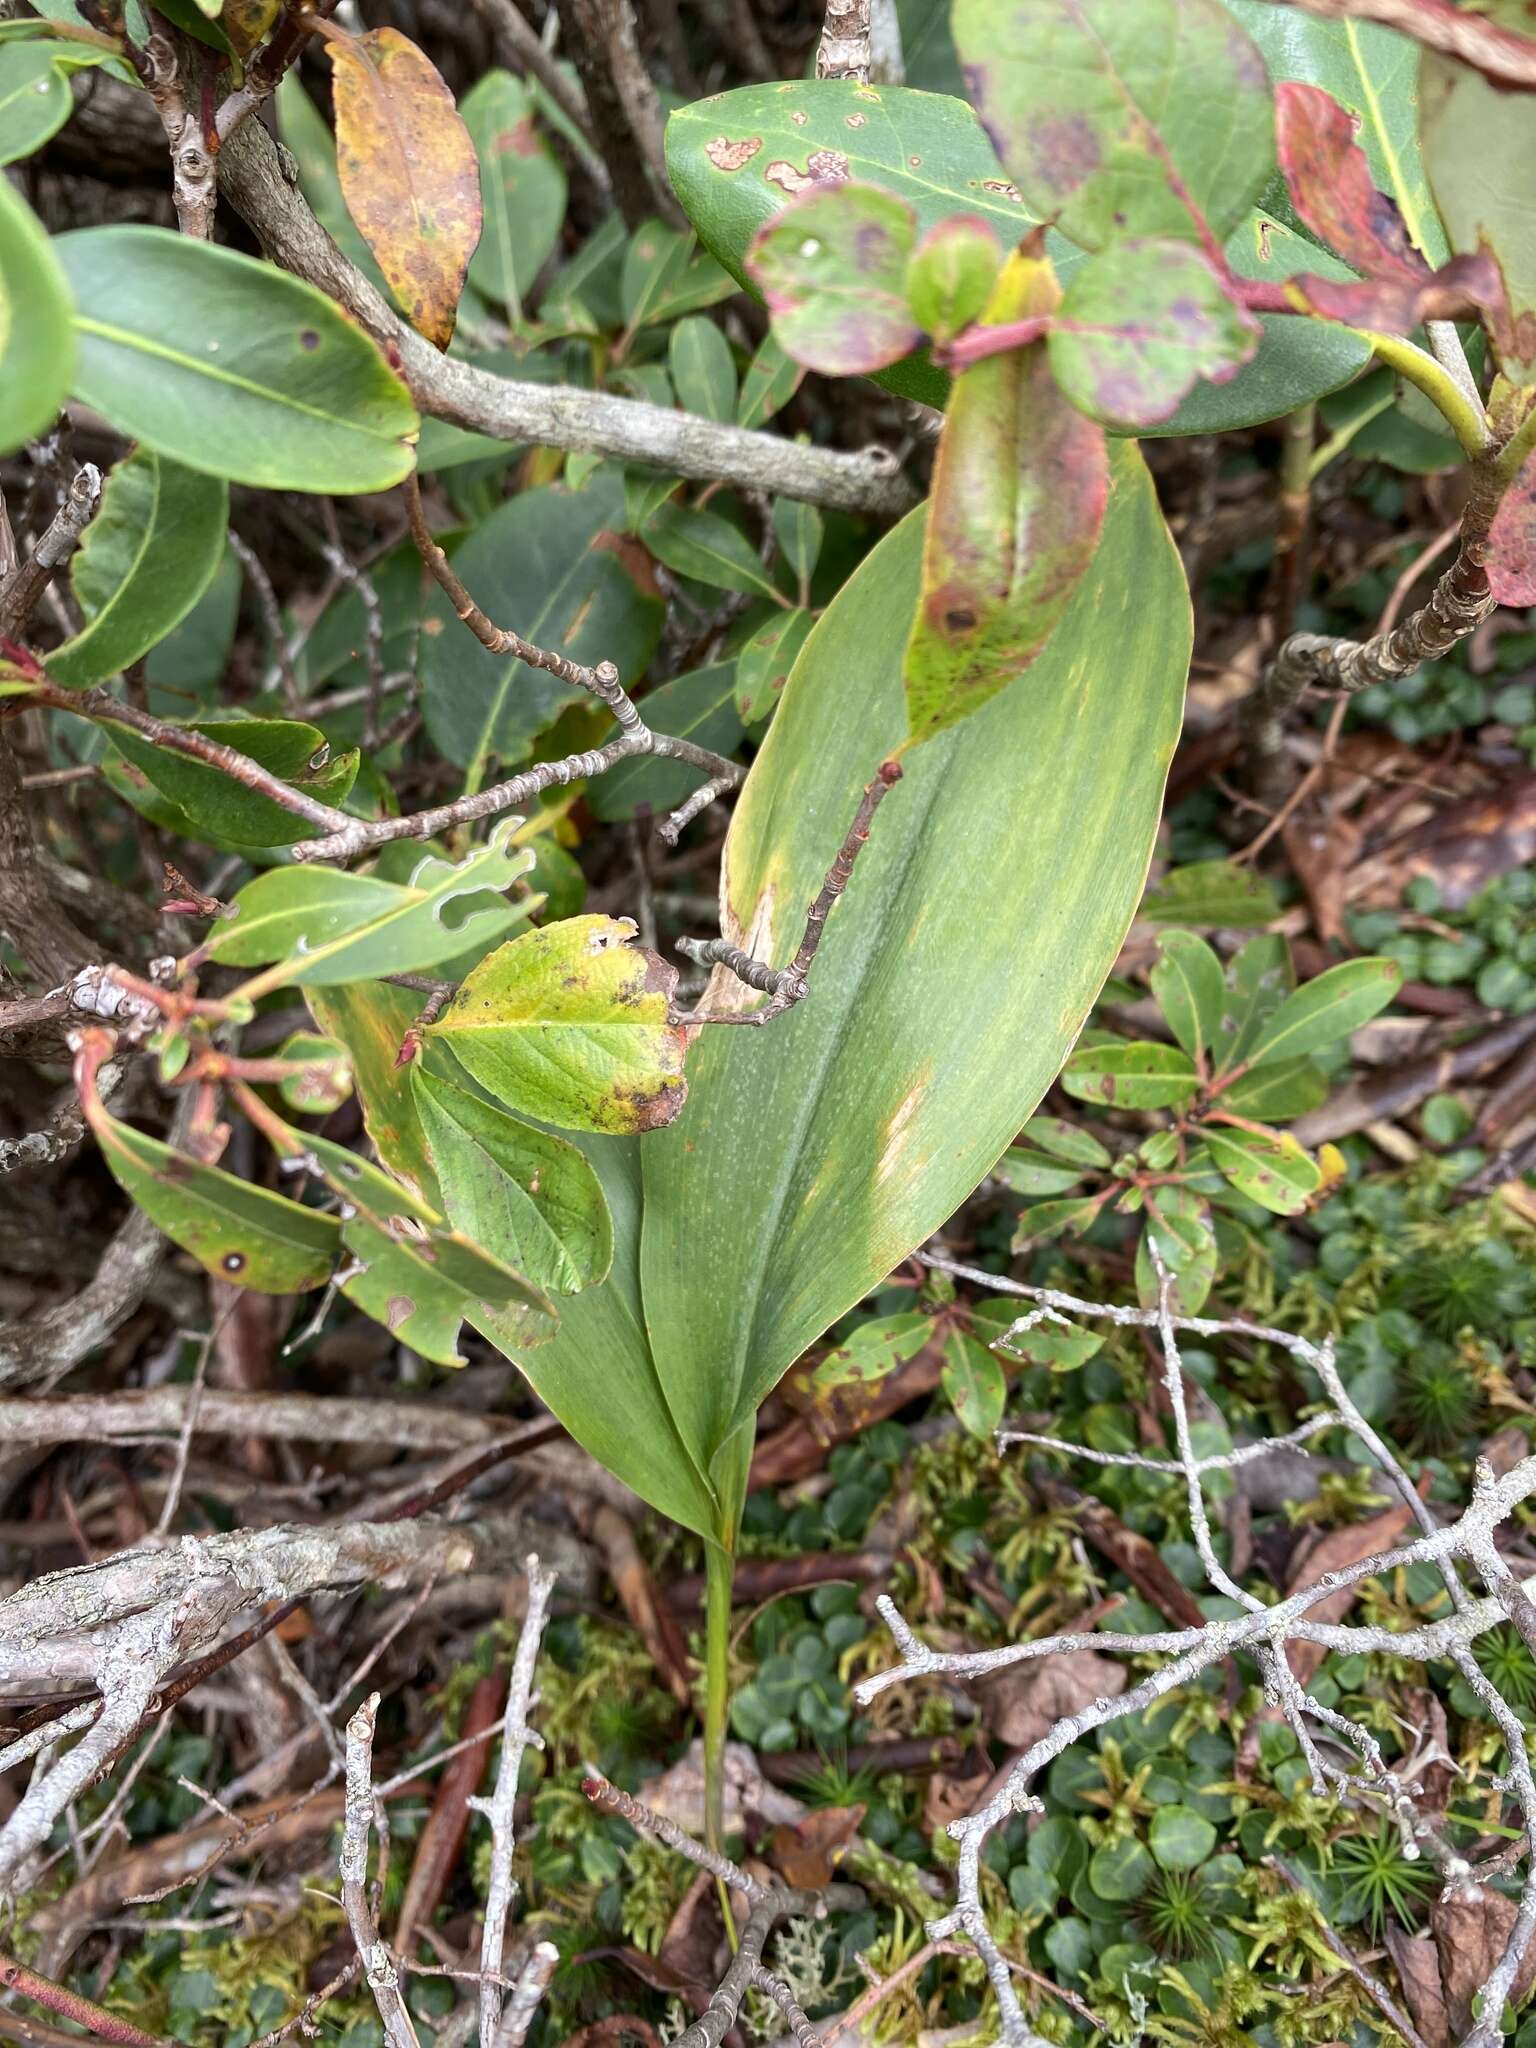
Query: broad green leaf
point(1211, 892)
point(703, 369)
point(1089, 103)
point(1190, 990)
point(832, 269)
point(552, 564)
point(708, 548)
point(143, 562)
point(522, 189)
point(35, 99)
point(974, 1384)
point(1131, 1076)
point(408, 1269)
point(1277, 1091)
point(528, 1197)
point(952, 273)
point(1140, 325)
point(187, 667)
point(1180, 1838)
point(234, 1229)
point(1019, 490)
point(666, 274)
point(1064, 1140)
point(408, 170)
point(764, 663)
point(326, 926)
point(1121, 1870)
point(1372, 71)
point(1466, 125)
point(770, 381)
point(571, 1025)
point(1058, 1347)
point(1044, 1220)
point(1035, 1174)
point(231, 366)
point(1327, 1008)
point(700, 706)
point(1259, 978)
point(862, 1129)
point(1269, 1167)
point(37, 339)
point(213, 802)
point(1179, 1225)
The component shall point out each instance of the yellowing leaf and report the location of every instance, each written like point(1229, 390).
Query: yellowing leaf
point(408, 171)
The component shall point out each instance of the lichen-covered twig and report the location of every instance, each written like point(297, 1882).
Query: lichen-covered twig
point(786, 986)
point(26, 583)
point(379, 1970)
point(843, 51)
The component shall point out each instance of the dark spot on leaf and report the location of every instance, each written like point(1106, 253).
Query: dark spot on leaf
point(308, 338)
point(233, 1262)
point(959, 620)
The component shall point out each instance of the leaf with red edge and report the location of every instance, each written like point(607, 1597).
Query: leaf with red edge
point(832, 268)
point(1511, 561)
point(1332, 188)
point(1139, 325)
point(1019, 491)
point(408, 170)
point(1464, 288)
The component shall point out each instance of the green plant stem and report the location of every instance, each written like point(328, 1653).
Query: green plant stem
point(719, 1577)
point(1467, 421)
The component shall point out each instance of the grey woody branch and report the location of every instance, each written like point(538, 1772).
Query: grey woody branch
point(379, 1971)
point(843, 51)
point(553, 416)
point(1263, 1632)
point(25, 585)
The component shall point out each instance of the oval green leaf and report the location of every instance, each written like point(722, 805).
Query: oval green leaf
point(37, 338)
point(1327, 1008)
point(1132, 1076)
point(1269, 1167)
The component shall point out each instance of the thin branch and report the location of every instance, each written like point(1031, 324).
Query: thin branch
point(508, 25)
point(271, 616)
point(843, 51)
point(786, 986)
point(667, 1832)
point(1373, 1987)
point(70, 2005)
point(193, 186)
point(624, 110)
point(26, 583)
point(378, 1965)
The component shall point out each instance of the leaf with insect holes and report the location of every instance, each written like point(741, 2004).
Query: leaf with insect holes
point(408, 1270)
point(522, 189)
point(1093, 103)
point(210, 801)
point(326, 926)
point(951, 274)
point(1139, 325)
point(234, 1229)
point(1019, 491)
point(408, 171)
point(37, 343)
point(145, 559)
point(1269, 1167)
point(571, 1025)
point(1190, 990)
point(1337, 1002)
point(528, 1197)
point(1131, 1075)
point(974, 1383)
point(1179, 1226)
point(832, 270)
point(1511, 558)
point(1480, 152)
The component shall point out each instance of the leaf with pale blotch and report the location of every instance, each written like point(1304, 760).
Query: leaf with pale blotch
point(326, 926)
point(571, 1025)
point(1019, 491)
point(528, 1197)
point(234, 1229)
point(974, 1383)
point(1480, 152)
point(408, 171)
point(1269, 1167)
point(832, 270)
point(1090, 103)
point(951, 274)
point(143, 562)
point(1140, 325)
point(246, 22)
point(1511, 559)
point(408, 1269)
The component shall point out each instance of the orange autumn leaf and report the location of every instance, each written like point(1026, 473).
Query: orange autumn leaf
point(408, 171)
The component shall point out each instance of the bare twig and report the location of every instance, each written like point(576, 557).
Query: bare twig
point(26, 583)
point(624, 111)
point(378, 1965)
point(271, 616)
point(843, 51)
point(192, 151)
point(70, 2005)
point(510, 27)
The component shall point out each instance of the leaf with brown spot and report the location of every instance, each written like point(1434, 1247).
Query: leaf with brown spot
point(246, 22)
point(408, 170)
point(1019, 492)
point(1471, 1927)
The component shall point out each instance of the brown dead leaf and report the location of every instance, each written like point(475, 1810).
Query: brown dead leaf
point(695, 1934)
point(1471, 1928)
point(806, 1852)
point(1418, 1971)
point(1020, 1702)
point(1470, 844)
point(1322, 848)
point(947, 1799)
point(408, 171)
point(1334, 1552)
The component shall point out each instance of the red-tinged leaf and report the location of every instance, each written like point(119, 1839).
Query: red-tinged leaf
point(1332, 188)
point(1464, 288)
point(1140, 325)
point(1511, 561)
point(408, 171)
point(952, 272)
point(832, 268)
point(1019, 491)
